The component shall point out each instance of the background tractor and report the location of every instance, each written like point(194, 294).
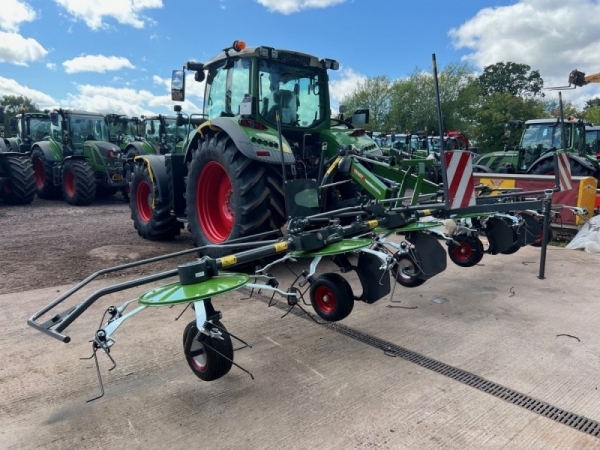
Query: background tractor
point(540, 140)
point(17, 182)
point(77, 158)
point(266, 119)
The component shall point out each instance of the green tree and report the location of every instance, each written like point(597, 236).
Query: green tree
point(552, 108)
point(511, 78)
point(593, 115)
point(495, 111)
point(373, 93)
point(591, 103)
point(13, 104)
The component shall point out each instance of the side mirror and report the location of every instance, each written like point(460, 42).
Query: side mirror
point(360, 117)
point(343, 109)
point(54, 118)
point(178, 86)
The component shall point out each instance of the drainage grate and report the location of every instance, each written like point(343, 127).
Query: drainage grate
point(580, 423)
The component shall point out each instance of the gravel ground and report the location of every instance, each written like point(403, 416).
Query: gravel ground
point(51, 242)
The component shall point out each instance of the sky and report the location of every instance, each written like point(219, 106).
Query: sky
point(118, 55)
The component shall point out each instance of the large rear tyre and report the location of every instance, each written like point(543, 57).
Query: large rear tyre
point(151, 218)
point(210, 358)
point(78, 182)
point(230, 196)
point(465, 251)
point(42, 168)
point(331, 297)
point(547, 168)
point(21, 188)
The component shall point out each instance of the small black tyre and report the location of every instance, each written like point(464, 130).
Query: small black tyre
point(331, 297)
point(405, 271)
point(21, 187)
point(78, 182)
point(42, 169)
point(538, 241)
point(151, 218)
point(209, 358)
point(465, 251)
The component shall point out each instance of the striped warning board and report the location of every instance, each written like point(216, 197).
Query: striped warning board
point(563, 170)
point(459, 171)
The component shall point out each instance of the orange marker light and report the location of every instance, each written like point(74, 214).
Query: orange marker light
point(238, 46)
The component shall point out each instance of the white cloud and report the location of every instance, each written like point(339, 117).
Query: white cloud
point(9, 86)
point(292, 6)
point(16, 49)
point(13, 13)
point(106, 99)
point(51, 66)
point(126, 12)
point(551, 36)
point(96, 63)
point(344, 85)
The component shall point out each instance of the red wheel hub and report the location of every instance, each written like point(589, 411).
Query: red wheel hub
point(463, 251)
point(38, 170)
point(325, 299)
point(213, 202)
point(70, 183)
point(143, 201)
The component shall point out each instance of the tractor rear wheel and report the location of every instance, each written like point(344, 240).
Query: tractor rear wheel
point(21, 188)
point(230, 196)
point(546, 167)
point(209, 358)
point(42, 168)
point(151, 219)
point(78, 182)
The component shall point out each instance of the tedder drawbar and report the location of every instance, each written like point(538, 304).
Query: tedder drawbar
point(355, 237)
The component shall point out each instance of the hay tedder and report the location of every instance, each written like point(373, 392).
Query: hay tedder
point(345, 210)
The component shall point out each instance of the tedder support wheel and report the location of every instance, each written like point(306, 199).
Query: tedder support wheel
point(331, 297)
point(21, 188)
point(230, 196)
point(78, 182)
point(42, 168)
point(405, 271)
point(467, 251)
point(210, 357)
point(151, 218)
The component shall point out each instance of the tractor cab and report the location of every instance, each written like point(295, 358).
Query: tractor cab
point(28, 128)
point(592, 140)
point(123, 129)
point(77, 129)
point(163, 133)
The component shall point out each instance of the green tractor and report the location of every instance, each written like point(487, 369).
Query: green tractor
point(165, 133)
point(77, 158)
point(17, 180)
point(228, 182)
point(540, 140)
point(128, 134)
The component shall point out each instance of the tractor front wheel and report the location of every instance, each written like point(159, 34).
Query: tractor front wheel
point(151, 218)
point(21, 187)
point(78, 182)
point(209, 357)
point(230, 196)
point(42, 168)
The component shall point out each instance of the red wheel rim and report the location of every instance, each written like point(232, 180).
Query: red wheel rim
point(463, 251)
point(325, 299)
point(213, 202)
point(70, 183)
point(38, 170)
point(143, 201)
point(198, 361)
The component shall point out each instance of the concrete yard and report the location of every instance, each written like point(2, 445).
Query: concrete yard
point(315, 387)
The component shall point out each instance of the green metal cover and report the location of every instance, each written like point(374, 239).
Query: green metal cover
point(337, 248)
point(174, 293)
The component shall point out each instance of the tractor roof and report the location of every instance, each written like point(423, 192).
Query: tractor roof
point(36, 115)
point(550, 120)
point(82, 113)
point(286, 56)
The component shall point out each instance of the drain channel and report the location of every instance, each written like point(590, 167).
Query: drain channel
point(576, 421)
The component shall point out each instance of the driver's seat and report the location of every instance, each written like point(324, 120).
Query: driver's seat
point(287, 102)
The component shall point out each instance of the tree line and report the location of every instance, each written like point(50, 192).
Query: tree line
point(477, 105)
